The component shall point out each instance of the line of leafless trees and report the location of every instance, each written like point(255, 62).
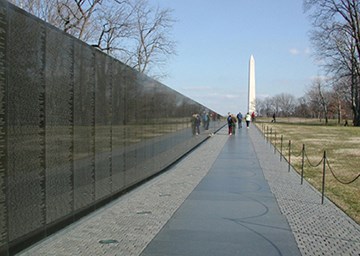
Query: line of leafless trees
point(132, 31)
point(323, 100)
point(336, 39)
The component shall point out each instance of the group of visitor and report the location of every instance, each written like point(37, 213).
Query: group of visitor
point(195, 124)
point(197, 119)
point(232, 120)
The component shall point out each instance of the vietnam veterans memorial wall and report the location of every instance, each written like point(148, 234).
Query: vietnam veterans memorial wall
point(77, 127)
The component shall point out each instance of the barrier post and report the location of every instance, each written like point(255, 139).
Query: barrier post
point(281, 146)
point(323, 179)
point(289, 154)
point(275, 144)
point(267, 133)
point(302, 164)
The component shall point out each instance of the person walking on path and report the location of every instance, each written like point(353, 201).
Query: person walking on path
point(230, 123)
point(234, 121)
point(274, 118)
point(239, 118)
point(247, 119)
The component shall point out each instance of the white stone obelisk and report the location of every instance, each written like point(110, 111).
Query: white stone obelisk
point(251, 102)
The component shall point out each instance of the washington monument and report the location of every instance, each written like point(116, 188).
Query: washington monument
point(251, 98)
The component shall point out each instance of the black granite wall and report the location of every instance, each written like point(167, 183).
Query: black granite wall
point(76, 127)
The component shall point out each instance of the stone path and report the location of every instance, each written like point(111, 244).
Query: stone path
point(127, 225)
point(318, 229)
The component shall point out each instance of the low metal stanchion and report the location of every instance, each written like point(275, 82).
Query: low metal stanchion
point(302, 164)
point(281, 147)
point(289, 154)
point(323, 179)
point(275, 144)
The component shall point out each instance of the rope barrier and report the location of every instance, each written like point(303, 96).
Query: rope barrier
point(342, 182)
point(298, 154)
point(312, 165)
point(315, 165)
point(304, 156)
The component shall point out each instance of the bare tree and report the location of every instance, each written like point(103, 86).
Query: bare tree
point(276, 104)
point(336, 37)
point(72, 16)
point(320, 97)
point(113, 28)
point(286, 103)
point(302, 107)
point(151, 35)
point(269, 106)
point(283, 104)
point(130, 30)
point(260, 107)
point(44, 9)
point(75, 16)
point(343, 96)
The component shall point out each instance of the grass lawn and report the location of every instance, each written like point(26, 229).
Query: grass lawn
point(342, 146)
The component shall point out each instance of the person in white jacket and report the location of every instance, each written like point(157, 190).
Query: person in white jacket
point(247, 119)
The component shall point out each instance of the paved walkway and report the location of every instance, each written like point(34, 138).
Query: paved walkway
point(230, 196)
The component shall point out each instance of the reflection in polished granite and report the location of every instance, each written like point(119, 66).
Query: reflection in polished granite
point(77, 127)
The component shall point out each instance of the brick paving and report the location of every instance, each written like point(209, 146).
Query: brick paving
point(128, 224)
point(319, 229)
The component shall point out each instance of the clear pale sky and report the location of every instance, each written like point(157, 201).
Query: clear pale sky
point(215, 39)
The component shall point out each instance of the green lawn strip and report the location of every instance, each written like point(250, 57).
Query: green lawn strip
point(342, 151)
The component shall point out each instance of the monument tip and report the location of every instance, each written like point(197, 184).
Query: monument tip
point(251, 96)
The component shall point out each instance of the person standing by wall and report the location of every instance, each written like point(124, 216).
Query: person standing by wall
point(206, 121)
point(247, 119)
point(197, 124)
point(193, 123)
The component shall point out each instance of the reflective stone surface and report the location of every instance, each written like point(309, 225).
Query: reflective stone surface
point(3, 162)
point(76, 127)
point(59, 122)
point(25, 124)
